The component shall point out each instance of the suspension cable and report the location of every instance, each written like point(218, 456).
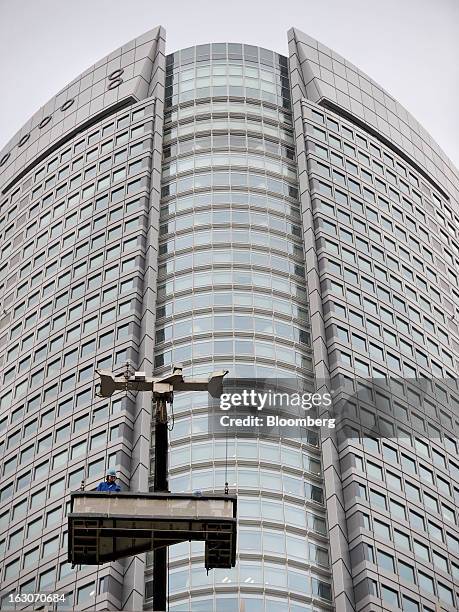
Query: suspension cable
point(167, 578)
point(226, 463)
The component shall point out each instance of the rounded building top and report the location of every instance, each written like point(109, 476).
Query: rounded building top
point(225, 51)
point(227, 70)
point(123, 77)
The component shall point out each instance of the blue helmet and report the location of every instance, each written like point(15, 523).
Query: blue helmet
point(111, 472)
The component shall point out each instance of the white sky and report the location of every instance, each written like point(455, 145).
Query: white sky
point(410, 47)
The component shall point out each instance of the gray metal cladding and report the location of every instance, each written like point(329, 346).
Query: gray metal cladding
point(79, 223)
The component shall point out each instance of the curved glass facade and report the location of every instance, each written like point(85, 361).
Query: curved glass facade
point(232, 294)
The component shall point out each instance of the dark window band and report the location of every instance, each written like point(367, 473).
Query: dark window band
point(390, 145)
point(83, 126)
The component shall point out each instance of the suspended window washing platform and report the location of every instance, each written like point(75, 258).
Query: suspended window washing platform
point(108, 526)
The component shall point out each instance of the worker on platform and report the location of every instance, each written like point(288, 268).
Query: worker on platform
point(109, 484)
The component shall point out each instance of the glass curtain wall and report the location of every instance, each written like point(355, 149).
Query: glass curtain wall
point(387, 301)
point(232, 294)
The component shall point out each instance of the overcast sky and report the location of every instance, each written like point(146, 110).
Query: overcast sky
point(410, 47)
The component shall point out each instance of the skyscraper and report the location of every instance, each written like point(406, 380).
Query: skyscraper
point(226, 206)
